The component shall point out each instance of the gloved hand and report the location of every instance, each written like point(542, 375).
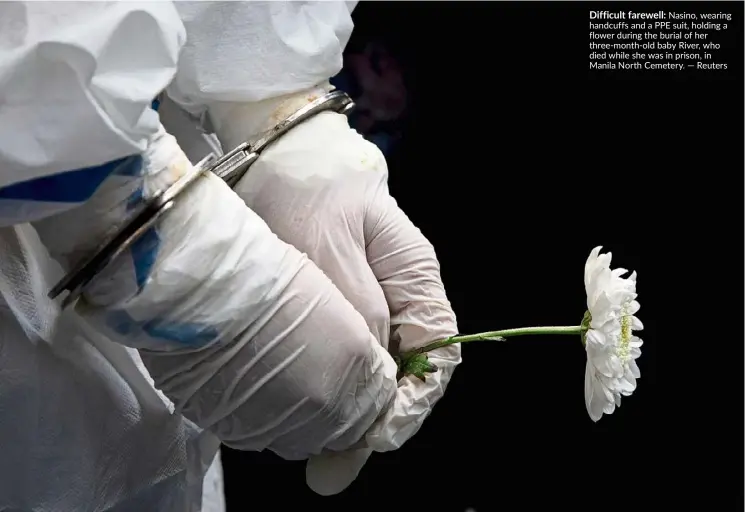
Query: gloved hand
point(323, 188)
point(240, 330)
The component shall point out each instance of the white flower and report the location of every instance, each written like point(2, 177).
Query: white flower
point(611, 346)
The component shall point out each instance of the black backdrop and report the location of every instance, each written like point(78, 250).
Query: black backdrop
point(516, 160)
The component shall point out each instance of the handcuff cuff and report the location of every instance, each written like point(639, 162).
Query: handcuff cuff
point(230, 167)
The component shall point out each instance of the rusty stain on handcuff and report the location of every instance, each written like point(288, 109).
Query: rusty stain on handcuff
point(280, 113)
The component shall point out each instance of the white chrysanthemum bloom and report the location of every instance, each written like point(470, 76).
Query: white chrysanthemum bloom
point(611, 346)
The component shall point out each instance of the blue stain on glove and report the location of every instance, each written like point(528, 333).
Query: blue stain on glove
point(144, 253)
point(187, 334)
point(144, 250)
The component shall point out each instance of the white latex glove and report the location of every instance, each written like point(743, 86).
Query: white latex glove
point(240, 330)
point(323, 188)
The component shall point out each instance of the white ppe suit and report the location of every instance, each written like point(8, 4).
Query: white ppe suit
point(249, 341)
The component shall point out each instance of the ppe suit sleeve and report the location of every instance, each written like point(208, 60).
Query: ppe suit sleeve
point(78, 80)
point(252, 51)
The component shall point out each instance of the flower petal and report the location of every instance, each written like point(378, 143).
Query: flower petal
point(629, 376)
point(626, 384)
point(604, 365)
point(591, 264)
point(593, 404)
point(600, 310)
point(605, 385)
point(632, 307)
point(618, 272)
point(634, 369)
point(595, 338)
point(609, 407)
point(636, 324)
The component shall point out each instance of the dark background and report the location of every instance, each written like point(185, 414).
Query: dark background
point(516, 160)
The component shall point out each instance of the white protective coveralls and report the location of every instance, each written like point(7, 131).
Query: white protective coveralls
point(253, 344)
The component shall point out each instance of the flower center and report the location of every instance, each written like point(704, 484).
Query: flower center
point(623, 347)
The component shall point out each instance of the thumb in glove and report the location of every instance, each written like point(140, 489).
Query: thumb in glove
point(331, 472)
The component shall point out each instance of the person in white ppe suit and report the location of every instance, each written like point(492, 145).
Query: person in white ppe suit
point(258, 317)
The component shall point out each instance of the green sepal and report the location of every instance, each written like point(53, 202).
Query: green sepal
point(586, 321)
point(417, 365)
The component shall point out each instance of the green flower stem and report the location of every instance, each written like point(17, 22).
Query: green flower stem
point(415, 362)
point(495, 335)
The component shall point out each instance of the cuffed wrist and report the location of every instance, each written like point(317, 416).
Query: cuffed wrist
point(237, 122)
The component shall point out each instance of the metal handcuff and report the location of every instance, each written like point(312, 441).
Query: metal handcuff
point(230, 167)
